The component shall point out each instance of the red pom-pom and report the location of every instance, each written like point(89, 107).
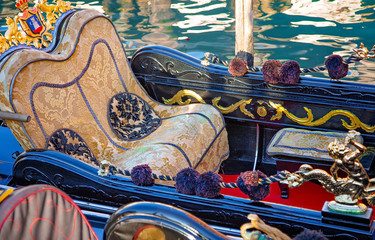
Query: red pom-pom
point(208, 185)
point(290, 72)
point(186, 180)
point(247, 182)
point(271, 71)
point(336, 67)
point(237, 67)
point(142, 175)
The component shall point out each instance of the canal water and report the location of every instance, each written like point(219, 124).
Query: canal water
point(306, 31)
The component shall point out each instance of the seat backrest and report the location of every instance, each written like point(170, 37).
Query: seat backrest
point(69, 89)
point(42, 212)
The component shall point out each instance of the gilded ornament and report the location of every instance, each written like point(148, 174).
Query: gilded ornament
point(182, 93)
point(34, 28)
point(262, 111)
point(241, 104)
point(355, 186)
point(363, 53)
point(355, 122)
point(257, 229)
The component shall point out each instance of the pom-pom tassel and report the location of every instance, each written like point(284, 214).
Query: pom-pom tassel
point(142, 175)
point(186, 180)
point(247, 182)
point(336, 67)
point(208, 185)
point(271, 71)
point(290, 73)
point(237, 67)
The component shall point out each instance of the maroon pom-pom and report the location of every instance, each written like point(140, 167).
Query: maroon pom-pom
point(247, 182)
point(310, 235)
point(208, 185)
point(186, 180)
point(290, 72)
point(336, 67)
point(237, 67)
point(271, 71)
point(142, 175)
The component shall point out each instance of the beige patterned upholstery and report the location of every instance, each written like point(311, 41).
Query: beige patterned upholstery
point(85, 101)
point(302, 143)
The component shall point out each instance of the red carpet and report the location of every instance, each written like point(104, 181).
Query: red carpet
point(309, 195)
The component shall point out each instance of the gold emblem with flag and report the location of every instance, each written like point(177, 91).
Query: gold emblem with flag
point(35, 28)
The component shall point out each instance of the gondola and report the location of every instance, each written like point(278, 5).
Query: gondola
point(121, 136)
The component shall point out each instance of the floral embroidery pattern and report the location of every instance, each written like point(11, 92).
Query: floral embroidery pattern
point(69, 142)
point(131, 117)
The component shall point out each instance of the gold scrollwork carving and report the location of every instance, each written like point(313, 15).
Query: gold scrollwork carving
point(180, 94)
point(177, 98)
point(241, 104)
point(309, 120)
point(355, 122)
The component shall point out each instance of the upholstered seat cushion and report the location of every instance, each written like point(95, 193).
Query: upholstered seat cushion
point(179, 143)
point(86, 88)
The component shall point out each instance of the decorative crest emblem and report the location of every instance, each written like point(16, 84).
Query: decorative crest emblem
point(35, 28)
point(32, 21)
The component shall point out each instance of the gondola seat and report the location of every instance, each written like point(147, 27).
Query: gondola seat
point(85, 101)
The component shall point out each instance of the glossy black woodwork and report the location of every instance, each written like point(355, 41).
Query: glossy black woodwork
point(164, 71)
point(360, 221)
point(82, 182)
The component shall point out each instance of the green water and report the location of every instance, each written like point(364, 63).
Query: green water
point(306, 31)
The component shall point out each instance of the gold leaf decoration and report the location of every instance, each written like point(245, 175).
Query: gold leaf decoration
point(355, 122)
point(34, 29)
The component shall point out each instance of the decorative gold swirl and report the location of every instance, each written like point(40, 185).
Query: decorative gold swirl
point(355, 122)
point(363, 53)
point(241, 104)
point(180, 94)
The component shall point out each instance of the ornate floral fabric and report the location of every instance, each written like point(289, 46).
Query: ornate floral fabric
point(69, 142)
point(71, 88)
point(304, 143)
point(131, 117)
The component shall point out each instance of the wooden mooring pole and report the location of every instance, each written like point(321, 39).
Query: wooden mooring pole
point(244, 31)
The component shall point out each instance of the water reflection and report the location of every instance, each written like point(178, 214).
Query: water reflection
point(303, 30)
point(331, 10)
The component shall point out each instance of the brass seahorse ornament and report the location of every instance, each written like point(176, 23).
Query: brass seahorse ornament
point(355, 186)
